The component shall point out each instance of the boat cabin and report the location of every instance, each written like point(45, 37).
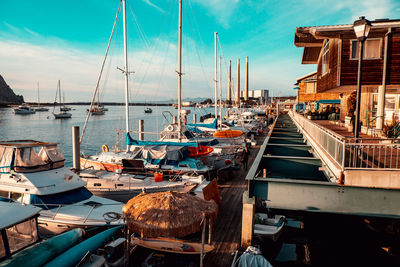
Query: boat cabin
point(18, 227)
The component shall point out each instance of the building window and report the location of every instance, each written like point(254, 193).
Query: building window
point(325, 57)
point(372, 49)
point(310, 88)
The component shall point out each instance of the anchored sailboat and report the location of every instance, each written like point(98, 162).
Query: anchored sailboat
point(39, 108)
point(61, 114)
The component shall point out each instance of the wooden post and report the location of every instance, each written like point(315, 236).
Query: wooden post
point(202, 240)
point(141, 130)
point(76, 148)
point(194, 118)
point(247, 219)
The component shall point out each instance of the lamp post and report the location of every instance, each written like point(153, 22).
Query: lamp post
point(361, 28)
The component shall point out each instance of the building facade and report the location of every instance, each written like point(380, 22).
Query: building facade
point(334, 50)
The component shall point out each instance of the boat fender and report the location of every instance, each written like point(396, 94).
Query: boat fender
point(170, 128)
point(104, 148)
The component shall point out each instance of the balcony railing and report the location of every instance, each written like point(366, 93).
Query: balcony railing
point(350, 153)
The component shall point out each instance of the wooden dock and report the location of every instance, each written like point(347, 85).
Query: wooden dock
point(228, 225)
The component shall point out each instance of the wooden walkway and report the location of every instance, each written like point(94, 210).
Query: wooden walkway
point(228, 225)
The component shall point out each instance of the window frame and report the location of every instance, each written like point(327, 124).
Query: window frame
point(365, 46)
point(325, 51)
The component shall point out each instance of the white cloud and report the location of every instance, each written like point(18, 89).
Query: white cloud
point(222, 10)
point(154, 5)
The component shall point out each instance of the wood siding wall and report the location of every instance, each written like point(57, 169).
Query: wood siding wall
point(328, 80)
point(393, 67)
point(371, 68)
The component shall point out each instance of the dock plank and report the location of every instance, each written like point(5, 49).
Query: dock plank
point(228, 225)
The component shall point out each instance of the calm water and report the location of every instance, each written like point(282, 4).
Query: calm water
point(100, 130)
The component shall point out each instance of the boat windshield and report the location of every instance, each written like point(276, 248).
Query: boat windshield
point(22, 235)
point(30, 159)
point(65, 198)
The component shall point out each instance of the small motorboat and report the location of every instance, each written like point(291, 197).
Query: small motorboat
point(268, 227)
point(20, 242)
point(24, 110)
point(148, 110)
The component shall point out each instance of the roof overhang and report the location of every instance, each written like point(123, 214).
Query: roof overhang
point(315, 35)
point(309, 76)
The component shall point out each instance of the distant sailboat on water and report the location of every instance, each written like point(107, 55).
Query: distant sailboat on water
point(62, 114)
point(39, 108)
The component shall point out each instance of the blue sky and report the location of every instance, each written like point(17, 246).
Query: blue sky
point(49, 40)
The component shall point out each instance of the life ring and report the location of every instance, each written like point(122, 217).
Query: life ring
point(104, 148)
point(170, 128)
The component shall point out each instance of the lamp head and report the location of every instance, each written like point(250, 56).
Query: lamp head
point(361, 28)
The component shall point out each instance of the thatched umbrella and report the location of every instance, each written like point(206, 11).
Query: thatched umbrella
point(168, 214)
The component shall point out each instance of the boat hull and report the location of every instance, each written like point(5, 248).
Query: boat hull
point(97, 165)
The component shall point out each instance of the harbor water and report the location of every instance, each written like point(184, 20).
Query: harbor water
point(42, 126)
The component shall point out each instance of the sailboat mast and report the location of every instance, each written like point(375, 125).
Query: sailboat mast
point(215, 74)
point(38, 98)
point(180, 70)
point(59, 93)
point(126, 73)
point(220, 94)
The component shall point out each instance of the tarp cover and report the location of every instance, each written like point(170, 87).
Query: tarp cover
point(5, 159)
point(212, 125)
point(155, 154)
point(133, 142)
point(27, 160)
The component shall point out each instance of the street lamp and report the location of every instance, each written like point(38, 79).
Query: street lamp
point(361, 28)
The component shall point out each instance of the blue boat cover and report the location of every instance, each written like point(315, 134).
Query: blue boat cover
point(212, 125)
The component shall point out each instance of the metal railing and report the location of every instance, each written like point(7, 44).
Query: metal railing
point(350, 153)
point(333, 144)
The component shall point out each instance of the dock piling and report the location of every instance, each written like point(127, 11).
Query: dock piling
point(141, 130)
point(76, 151)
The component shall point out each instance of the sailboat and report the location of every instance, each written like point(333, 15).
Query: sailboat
point(62, 114)
point(38, 106)
point(97, 108)
point(63, 106)
point(150, 157)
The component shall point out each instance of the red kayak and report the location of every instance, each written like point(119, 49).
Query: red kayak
point(199, 151)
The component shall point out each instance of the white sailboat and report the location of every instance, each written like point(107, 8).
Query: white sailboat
point(39, 108)
point(62, 114)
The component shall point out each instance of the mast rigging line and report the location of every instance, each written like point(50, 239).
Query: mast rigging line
point(101, 72)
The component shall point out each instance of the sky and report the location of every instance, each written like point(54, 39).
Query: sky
point(45, 41)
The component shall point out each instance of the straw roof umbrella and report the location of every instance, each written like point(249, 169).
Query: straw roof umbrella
point(169, 214)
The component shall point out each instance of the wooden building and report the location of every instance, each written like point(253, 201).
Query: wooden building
point(335, 51)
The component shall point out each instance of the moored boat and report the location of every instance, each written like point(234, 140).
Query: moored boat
point(268, 227)
point(33, 172)
point(24, 110)
point(21, 243)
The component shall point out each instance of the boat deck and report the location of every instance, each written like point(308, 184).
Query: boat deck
point(228, 225)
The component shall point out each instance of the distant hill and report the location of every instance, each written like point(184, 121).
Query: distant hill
point(7, 95)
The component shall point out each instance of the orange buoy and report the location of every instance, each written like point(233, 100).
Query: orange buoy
point(228, 134)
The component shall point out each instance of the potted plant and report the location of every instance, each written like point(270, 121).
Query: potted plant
point(351, 107)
